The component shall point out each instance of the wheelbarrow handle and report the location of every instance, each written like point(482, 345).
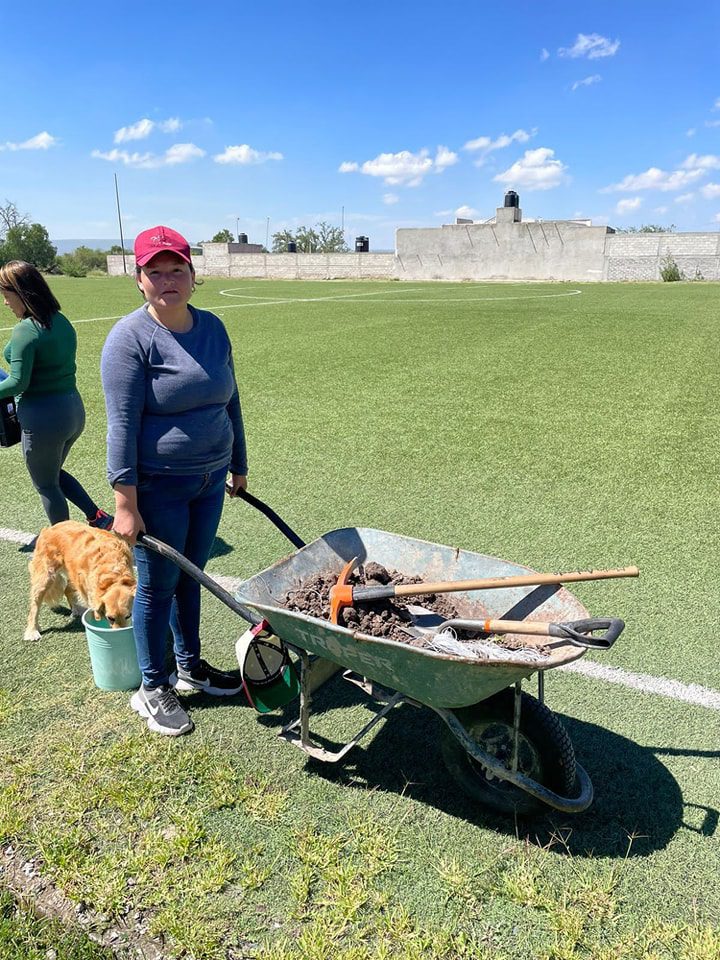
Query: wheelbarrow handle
point(597, 633)
point(283, 527)
point(170, 553)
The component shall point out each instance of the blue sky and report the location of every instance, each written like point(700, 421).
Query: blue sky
point(403, 114)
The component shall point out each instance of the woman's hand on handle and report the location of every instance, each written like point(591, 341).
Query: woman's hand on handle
point(127, 523)
point(235, 483)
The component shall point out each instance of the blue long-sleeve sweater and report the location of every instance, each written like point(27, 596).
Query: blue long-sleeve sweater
point(171, 398)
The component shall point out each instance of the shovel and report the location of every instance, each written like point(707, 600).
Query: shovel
point(344, 595)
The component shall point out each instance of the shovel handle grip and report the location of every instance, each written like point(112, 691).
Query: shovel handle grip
point(598, 633)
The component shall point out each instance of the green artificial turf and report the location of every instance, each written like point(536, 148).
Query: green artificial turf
point(555, 430)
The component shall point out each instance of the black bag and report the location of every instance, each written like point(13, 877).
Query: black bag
point(9, 423)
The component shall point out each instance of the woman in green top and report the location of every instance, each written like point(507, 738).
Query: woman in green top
point(41, 353)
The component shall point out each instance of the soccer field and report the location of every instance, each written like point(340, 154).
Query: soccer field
point(558, 426)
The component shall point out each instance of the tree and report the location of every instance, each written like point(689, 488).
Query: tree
point(648, 228)
point(29, 242)
point(81, 261)
point(10, 217)
point(331, 239)
point(223, 236)
point(322, 238)
point(307, 240)
point(281, 239)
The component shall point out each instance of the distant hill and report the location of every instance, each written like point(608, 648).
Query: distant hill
point(67, 246)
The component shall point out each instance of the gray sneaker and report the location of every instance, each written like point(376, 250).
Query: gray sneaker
point(161, 708)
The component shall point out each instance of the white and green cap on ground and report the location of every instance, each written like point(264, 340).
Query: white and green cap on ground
point(269, 677)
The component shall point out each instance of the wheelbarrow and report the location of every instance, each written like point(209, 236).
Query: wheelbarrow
point(504, 747)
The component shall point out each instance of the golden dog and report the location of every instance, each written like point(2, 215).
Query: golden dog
point(92, 568)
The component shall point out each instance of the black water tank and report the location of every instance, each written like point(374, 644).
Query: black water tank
point(512, 199)
point(292, 246)
point(362, 245)
point(242, 238)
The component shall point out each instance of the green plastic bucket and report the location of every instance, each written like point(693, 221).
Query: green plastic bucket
point(112, 654)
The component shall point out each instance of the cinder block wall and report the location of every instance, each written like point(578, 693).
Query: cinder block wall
point(639, 256)
point(218, 262)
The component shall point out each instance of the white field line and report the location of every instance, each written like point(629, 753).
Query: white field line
point(377, 293)
point(685, 692)
point(645, 683)
point(259, 302)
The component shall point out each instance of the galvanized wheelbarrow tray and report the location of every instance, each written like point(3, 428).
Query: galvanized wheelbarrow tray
point(505, 747)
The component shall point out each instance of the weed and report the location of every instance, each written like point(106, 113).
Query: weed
point(669, 270)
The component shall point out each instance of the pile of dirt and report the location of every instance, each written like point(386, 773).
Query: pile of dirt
point(380, 618)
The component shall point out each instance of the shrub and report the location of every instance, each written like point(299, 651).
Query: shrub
point(669, 270)
point(81, 261)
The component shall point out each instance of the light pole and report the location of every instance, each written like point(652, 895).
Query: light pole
point(237, 228)
point(267, 232)
point(122, 241)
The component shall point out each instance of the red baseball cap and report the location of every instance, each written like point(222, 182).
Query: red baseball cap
point(150, 243)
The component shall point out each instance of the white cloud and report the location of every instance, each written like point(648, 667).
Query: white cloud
point(587, 82)
point(403, 168)
point(536, 170)
point(716, 218)
point(710, 191)
point(590, 45)
point(444, 158)
point(654, 179)
point(390, 198)
point(177, 154)
point(245, 155)
point(684, 198)
point(712, 123)
point(466, 212)
point(182, 153)
point(691, 132)
point(399, 168)
point(41, 141)
point(143, 128)
point(443, 213)
point(544, 55)
point(707, 161)
point(136, 131)
point(628, 205)
point(716, 105)
point(122, 156)
point(661, 209)
point(487, 145)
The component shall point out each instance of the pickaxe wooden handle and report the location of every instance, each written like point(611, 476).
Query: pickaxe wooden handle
point(344, 595)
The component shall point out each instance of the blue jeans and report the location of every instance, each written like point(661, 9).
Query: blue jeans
point(184, 512)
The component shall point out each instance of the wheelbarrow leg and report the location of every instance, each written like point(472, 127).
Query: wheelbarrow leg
point(313, 674)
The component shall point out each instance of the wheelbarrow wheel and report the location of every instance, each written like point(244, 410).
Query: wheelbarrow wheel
point(545, 752)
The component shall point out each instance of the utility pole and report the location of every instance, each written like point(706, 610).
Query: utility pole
point(267, 231)
point(122, 242)
point(237, 228)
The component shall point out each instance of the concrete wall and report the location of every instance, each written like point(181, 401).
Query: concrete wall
point(548, 250)
point(553, 250)
point(217, 262)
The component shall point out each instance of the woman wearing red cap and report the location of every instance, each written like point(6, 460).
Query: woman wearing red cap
point(175, 430)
